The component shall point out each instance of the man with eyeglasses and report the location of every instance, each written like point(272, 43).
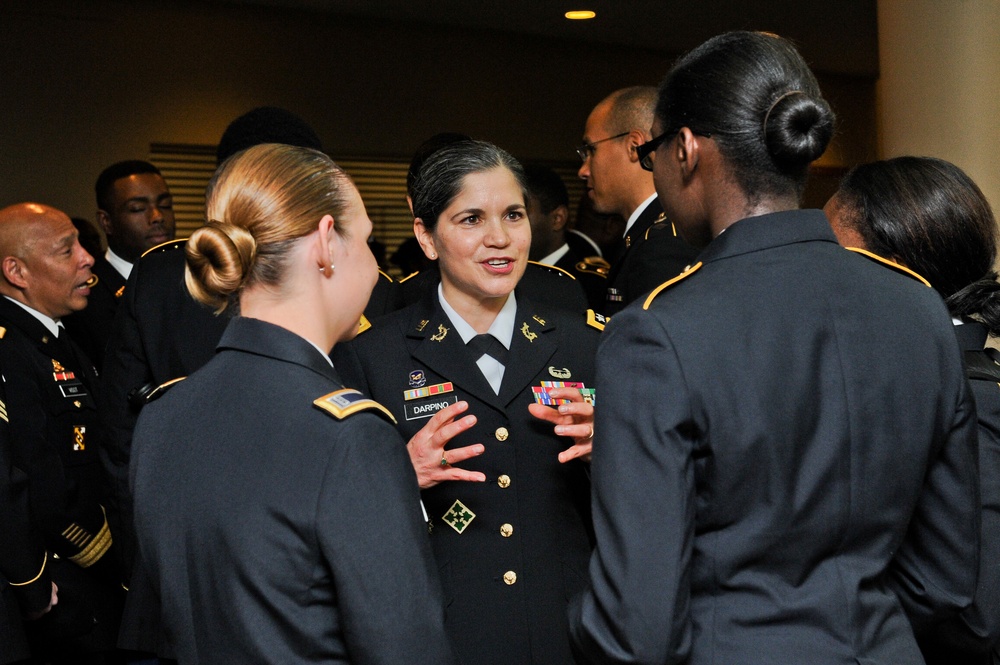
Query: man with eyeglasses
point(650, 252)
point(135, 210)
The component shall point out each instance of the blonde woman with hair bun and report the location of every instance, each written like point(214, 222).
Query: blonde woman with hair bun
point(277, 511)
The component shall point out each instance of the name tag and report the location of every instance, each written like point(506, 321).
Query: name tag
point(428, 407)
point(72, 389)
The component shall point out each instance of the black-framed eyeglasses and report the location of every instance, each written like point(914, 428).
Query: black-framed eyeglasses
point(645, 151)
point(586, 150)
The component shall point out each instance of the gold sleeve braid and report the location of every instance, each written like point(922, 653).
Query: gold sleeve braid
point(92, 548)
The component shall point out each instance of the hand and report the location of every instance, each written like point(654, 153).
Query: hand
point(426, 448)
point(53, 601)
point(575, 420)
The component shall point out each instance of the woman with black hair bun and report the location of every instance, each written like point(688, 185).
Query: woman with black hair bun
point(928, 215)
point(772, 476)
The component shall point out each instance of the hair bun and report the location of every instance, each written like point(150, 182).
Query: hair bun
point(797, 129)
point(219, 258)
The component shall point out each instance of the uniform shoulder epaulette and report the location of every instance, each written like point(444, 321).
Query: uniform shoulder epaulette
point(386, 275)
point(670, 282)
point(594, 265)
point(161, 390)
point(165, 246)
point(410, 276)
point(595, 320)
point(346, 402)
point(901, 269)
point(661, 225)
point(982, 365)
point(554, 269)
point(364, 324)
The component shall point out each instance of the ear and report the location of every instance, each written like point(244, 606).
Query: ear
point(15, 272)
point(105, 222)
point(326, 247)
point(635, 139)
point(687, 151)
point(559, 217)
point(425, 238)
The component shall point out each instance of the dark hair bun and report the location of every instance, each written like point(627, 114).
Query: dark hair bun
point(797, 129)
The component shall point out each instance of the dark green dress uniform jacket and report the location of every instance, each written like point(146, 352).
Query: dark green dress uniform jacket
point(275, 531)
point(54, 430)
point(25, 583)
point(509, 570)
point(785, 459)
point(649, 254)
point(971, 637)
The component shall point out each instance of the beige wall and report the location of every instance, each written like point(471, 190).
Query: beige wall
point(86, 83)
point(939, 91)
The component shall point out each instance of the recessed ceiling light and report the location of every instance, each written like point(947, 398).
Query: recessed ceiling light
point(580, 15)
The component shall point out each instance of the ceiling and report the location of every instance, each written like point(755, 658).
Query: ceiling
point(836, 36)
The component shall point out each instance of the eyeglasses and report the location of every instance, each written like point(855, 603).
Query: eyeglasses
point(645, 151)
point(587, 149)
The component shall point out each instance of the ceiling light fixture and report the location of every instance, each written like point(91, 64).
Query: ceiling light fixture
point(580, 15)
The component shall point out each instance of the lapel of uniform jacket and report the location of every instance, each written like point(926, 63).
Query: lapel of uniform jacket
point(435, 343)
point(636, 234)
point(531, 347)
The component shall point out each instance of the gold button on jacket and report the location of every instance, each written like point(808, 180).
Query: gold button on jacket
point(502, 433)
point(510, 577)
point(506, 530)
point(504, 481)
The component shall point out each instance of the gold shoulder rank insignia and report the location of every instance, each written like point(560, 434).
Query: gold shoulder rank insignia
point(669, 283)
point(594, 265)
point(595, 320)
point(3, 331)
point(164, 246)
point(410, 276)
point(891, 264)
point(558, 271)
point(346, 402)
point(364, 324)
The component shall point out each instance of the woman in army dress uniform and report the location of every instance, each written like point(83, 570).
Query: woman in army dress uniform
point(932, 218)
point(785, 440)
point(513, 547)
point(276, 511)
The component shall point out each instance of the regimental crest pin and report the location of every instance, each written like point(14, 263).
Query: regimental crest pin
point(458, 517)
point(417, 378)
point(440, 334)
point(57, 366)
point(560, 372)
point(531, 336)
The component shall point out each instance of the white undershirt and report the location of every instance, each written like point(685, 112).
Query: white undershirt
point(554, 257)
point(502, 328)
point(123, 267)
point(52, 324)
point(638, 211)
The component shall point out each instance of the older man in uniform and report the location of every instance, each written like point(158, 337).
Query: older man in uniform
point(650, 252)
point(53, 426)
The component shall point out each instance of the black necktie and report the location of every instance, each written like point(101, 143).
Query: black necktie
point(489, 345)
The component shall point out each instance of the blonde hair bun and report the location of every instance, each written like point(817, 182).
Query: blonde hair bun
point(220, 256)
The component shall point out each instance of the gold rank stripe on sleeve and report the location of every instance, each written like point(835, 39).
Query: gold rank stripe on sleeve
point(667, 284)
point(892, 264)
point(3, 412)
point(77, 535)
point(595, 320)
point(98, 547)
point(45, 561)
point(346, 402)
